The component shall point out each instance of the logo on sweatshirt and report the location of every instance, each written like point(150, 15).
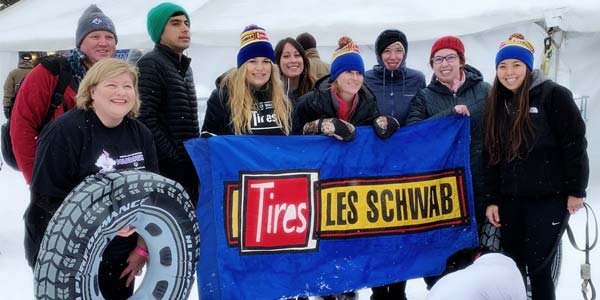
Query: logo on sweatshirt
point(105, 163)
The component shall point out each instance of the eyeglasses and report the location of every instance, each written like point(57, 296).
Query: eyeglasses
point(450, 58)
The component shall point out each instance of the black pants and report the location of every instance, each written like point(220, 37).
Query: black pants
point(114, 259)
point(530, 232)
point(394, 291)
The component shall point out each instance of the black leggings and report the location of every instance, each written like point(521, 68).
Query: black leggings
point(530, 233)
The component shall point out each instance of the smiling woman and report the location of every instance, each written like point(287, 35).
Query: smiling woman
point(250, 99)
point(111, 92)
point(100, 136)
point(340, 101)
point(295, 69)
point(536, 162)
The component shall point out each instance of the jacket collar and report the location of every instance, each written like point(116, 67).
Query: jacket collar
point(182, 65)
point(472, 77)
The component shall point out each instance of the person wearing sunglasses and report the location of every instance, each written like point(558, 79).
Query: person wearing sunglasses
point(456, 88)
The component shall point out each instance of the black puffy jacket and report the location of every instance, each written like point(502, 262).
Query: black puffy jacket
point(169, 108)
point(556, 162)
point(437, 101)
point(319, 103)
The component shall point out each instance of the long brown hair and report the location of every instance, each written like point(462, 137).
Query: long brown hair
point(241, 99)
point(506, 130)
point(307, 81)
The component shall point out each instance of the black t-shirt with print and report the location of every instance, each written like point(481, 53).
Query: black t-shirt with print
point(264, 120)
point(78, 144)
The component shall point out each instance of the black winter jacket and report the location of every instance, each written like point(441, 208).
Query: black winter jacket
point(556, 162)
point(437, 101)
point(319, 103)
point(169, 108)
point(217, 119)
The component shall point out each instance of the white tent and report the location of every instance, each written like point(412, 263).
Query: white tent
point(50, 25)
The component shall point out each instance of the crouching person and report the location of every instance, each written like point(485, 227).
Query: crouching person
point(476, 274)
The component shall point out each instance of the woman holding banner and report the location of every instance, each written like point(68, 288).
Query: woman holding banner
point(341, 101)
point(455, 89)
point(250, 98)
point(536, 163)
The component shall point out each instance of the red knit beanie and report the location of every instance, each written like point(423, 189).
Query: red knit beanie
point(448, 42)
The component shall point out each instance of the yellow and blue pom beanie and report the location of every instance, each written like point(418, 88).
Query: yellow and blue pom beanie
point(254, 42)
point(159, 16)
point(346, 58)
point(517, 47)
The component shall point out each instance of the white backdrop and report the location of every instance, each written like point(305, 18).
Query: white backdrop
point(215, 25)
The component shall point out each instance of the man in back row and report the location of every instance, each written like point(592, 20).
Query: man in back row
point(168, 95)
point(95, 39)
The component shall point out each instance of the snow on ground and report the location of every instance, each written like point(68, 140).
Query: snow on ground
point(16, 280)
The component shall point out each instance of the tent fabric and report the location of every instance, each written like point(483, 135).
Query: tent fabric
point(51, 26)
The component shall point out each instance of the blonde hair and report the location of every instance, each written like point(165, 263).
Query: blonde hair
point(241, 99)
point(102, 70)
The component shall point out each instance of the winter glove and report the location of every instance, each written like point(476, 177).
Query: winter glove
point(385, 126)
point(7, 112)
point(336, 128)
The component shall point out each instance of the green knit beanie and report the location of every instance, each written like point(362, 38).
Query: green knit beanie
point(158, 17)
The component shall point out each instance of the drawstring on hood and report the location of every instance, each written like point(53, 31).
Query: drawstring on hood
point(385, 39)
point(394, 89)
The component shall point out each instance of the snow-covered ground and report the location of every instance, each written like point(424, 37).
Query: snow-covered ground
point(16, 279)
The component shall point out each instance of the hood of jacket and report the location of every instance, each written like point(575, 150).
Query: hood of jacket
point(380, 66)
point(537, 78)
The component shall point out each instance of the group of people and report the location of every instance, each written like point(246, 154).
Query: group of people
point(528, 148)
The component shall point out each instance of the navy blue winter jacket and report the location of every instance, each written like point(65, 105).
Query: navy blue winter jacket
point(394, 89)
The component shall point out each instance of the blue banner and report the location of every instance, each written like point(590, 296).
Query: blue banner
point(282, 216)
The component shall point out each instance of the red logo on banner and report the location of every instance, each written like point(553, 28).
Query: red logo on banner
point(277, 211)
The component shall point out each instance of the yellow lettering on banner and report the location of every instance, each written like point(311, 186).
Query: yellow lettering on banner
point(234, 213)
point(371, 206)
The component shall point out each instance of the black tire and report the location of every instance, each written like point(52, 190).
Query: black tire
point(90, 216)
point(490, 238)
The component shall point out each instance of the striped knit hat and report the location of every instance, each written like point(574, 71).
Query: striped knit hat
point(517, 47)
point(346, 58)
point(254, 42)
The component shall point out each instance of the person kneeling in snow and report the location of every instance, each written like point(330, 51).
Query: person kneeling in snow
point(475, 274)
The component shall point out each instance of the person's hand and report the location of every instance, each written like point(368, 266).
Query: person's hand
point(493, 216)
point(334, 127)
point(574, 204)
point(462, 109)
point(385, 126)
point(136, 261)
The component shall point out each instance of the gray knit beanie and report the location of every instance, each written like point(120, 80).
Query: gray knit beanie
point(93, 19)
